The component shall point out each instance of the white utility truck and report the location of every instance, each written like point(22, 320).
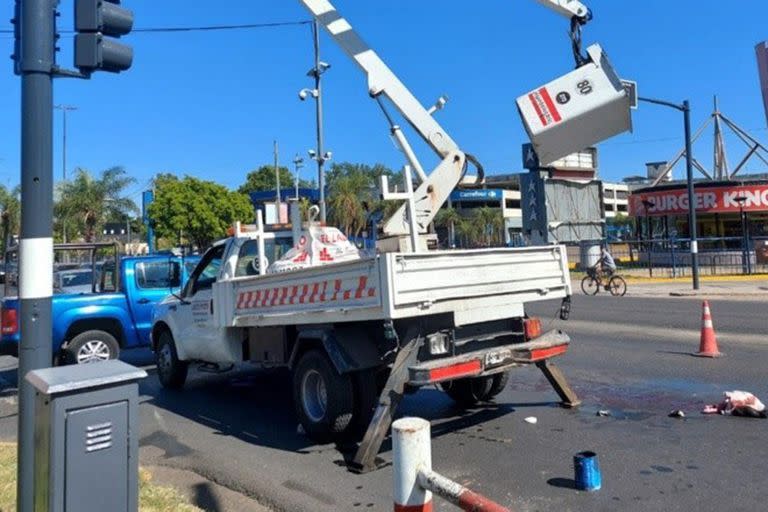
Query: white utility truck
point(358, 332)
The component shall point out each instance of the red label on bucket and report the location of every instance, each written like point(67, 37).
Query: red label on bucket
point(544, 106)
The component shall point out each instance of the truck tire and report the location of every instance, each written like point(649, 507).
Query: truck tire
point(324, 399)
point(171, 371)
point(91, 347)
point(467, 392)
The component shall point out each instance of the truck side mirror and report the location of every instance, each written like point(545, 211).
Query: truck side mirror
point(174, 275)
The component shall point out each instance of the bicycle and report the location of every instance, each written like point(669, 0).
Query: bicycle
point(594, 281)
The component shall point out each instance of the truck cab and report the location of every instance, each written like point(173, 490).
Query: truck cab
point(116, 315)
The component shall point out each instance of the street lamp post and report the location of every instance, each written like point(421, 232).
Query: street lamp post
point(298, 162)
point(64, 109)
point(685, 108)
point(649, 234)
point(319, 156)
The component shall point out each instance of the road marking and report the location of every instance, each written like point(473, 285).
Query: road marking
point(632, 331)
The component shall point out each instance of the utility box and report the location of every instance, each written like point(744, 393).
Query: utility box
point(582, 108)
point(86, 437)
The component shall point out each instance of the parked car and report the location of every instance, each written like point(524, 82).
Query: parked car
point(95, 327)
point(74, 281)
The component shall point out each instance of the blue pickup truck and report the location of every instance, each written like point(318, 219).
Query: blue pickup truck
point(91, 327)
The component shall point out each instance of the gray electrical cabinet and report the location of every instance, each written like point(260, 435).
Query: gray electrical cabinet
point(86, 437)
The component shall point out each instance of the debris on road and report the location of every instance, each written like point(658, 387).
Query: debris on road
point(677, 414)
point(603, 413)
point(532, 420)
point(738, 403)
point(587, 471)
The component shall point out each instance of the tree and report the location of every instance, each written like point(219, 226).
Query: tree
point(86, 203)
point(197, 210)
point(353, 195)
point(263, 178)
point(489, 224)
point(449, 218)
point(10, 214)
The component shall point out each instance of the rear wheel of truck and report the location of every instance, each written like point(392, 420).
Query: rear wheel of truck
point(171, 371)
point(323, 398)
point(91, 347)
point(466, 392)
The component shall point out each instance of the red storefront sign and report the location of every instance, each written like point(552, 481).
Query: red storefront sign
point(706, 199)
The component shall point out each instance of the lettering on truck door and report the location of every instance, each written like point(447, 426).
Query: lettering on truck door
point(197, 329)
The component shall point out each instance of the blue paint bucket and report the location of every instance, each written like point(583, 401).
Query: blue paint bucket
point(587, 471)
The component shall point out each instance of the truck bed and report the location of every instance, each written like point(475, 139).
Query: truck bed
point(474, 285)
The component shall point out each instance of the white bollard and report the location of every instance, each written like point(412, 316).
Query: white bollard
point(412, 453)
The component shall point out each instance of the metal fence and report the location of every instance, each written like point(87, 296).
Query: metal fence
point(672, 257)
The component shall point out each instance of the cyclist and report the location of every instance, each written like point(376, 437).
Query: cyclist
point(605, 266)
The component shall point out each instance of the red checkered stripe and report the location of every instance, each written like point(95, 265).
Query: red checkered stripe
point(319, 292)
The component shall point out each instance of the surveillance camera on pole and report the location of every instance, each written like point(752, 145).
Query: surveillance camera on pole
point(97, 22)
point(305, 93)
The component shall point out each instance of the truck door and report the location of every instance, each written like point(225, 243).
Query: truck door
point(150, 283)
point(199, 334)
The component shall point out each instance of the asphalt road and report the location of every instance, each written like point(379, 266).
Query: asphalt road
point(629, 356)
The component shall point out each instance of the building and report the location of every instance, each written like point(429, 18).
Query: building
point(615, 199)
point(724, 210)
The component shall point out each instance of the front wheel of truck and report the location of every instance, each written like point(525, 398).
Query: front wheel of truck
point(171, 371)
point(324, 399)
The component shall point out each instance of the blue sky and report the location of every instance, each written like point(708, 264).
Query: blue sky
point(210, 104)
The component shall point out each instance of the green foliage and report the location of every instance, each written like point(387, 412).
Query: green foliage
point(353, 191)
point(10, 213)
point(484, 227)
point(196, 210)
point(263, 178)
point(86, 203)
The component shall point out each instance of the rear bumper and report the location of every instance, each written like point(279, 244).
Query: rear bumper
point(489, 361)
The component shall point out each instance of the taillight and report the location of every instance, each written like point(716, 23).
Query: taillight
point(9, 321)
point(532, 328)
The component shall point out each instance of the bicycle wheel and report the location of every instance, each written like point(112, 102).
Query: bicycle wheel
point(590, 285)
point(617, 286)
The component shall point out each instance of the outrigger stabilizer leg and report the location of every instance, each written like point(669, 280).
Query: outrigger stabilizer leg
point(365, 458)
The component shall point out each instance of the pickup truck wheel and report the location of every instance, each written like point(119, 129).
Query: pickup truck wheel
point(470, 391)
point(92, 347)
point(171, 371)
point(324, 400)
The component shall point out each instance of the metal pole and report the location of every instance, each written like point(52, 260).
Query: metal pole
point(691, 196)
point(277, 179)
point(64, 146)
point(319, 121)
point(36, 240)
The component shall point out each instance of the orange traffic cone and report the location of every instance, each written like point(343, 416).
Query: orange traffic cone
point(708, 344)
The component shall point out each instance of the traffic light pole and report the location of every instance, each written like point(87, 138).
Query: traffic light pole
point(36, 240)
point(685, 108)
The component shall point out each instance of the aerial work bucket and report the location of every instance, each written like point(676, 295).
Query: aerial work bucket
point(582, 108)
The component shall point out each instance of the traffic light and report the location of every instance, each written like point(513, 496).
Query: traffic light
point(96, 23)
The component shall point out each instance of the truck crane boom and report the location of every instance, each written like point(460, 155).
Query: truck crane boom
point(435, 187)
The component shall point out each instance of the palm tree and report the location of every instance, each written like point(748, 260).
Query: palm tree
point(448, 218)
point(87, 202)
point(489, 224)
point(348, 198)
